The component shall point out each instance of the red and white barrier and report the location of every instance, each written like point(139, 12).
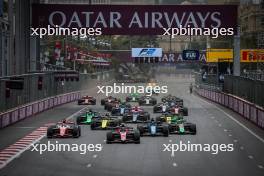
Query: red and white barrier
point(14, 115)
point(246, 109)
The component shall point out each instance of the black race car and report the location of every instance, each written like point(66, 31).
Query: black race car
point(161, 108)
point(153, 128)
point(109, 99)
point(172, 99)
point(182, 128)
point(134, 97)
point(147, 100)
point(123, 134)
point(87, 100)
point(105, 123)
point(136, 115)
point(64, 129)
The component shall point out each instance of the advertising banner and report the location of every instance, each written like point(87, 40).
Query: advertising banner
point(190, 55)
point(219, 55)
point(252, 55)
point(146, 52)
point(134, 19)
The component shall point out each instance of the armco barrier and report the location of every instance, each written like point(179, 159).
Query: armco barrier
point(14, 115)
point(246, 109)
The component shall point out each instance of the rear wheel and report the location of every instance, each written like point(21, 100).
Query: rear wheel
point(137, 136)
point(141, 130)
point(165, 131)
point(93, 126)
point(76, 132)
point(109, 137)
point(193, 129)
point(50, 132)
point(79, 120)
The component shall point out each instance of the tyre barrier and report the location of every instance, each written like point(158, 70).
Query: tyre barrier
point(247, 110)
point(19, 113)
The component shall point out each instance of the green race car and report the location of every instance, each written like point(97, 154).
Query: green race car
point(134, 97)
point(171, 118)
point(177, 124)
point(87, 118)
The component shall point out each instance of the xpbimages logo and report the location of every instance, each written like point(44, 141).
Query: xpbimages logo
point(125, 89)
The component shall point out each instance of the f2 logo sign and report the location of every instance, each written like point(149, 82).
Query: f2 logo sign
point(146, 52)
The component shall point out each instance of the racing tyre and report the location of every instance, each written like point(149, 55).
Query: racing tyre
point(185, 111)
point(141, 130)
point(76, 132)
point(93, 126)
point(109, 137)
point(137, 137)
point(50, 132)
point(125, 118)
point(193, 129)
point(78, 120)
point(165, 131)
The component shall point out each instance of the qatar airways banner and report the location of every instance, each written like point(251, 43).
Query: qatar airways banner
point(134, 19)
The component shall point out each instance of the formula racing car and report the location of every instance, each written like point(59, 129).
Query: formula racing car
point(87, 117)
point(147, 100)
point(172, 100)
point(105, 123)
point(109, 99)
point(136, 115)
point(134, 97)
point(64, 129)
point(123, 134)
point(171, 118)
point(87, 100)
point(153, 128)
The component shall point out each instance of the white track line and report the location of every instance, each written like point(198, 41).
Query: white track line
point(239, 123)
point(35, 141)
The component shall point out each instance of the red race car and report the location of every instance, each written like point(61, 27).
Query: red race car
point(87, 100)
point(64, 129)
point(123, 134)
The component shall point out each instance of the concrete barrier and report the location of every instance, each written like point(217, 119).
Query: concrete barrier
point(14, 115)
point(246, 109)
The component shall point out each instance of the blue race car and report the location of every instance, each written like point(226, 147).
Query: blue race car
point(153, 128)
point(120, 110)
point(136, 115)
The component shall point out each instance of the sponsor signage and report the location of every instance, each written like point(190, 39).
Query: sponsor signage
point(146, 52)
point(190, 55)
point(252, 55)
point(134, 19)
point(219, 55)
point(178, 57)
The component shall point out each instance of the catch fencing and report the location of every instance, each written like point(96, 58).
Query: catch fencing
point(245, 108)
point(31, 108)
